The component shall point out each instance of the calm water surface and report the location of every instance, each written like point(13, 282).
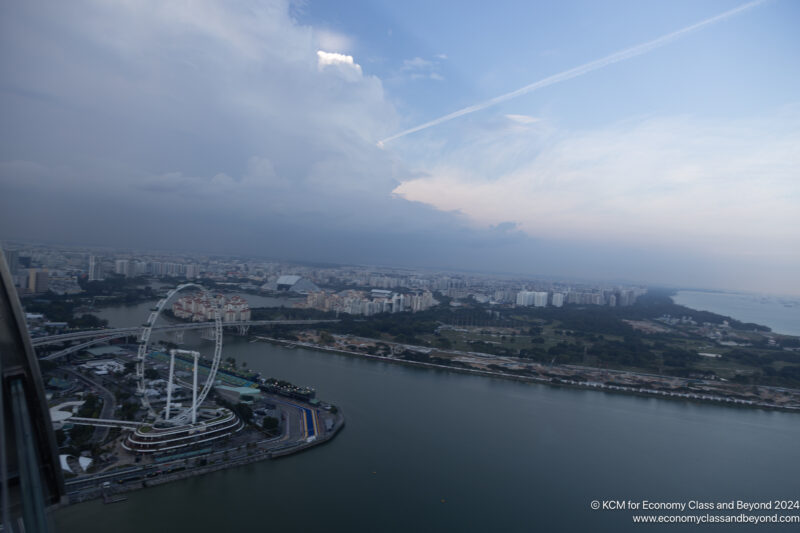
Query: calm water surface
point(781, 314)
point(436, 451)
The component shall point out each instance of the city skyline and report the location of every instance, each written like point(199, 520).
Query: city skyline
point(253, 129)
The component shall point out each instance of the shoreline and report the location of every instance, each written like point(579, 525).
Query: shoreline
point(722, 311)
point(725, 401)
point(97, 491)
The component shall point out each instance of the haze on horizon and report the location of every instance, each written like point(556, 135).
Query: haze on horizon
point(252, 127)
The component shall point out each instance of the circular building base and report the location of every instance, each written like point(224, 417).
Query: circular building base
point(213, 424)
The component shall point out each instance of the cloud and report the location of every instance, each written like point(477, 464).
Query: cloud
point(186, 127)
point(219, 127)
point(419, 68)
point(340, 61)
point(580, 70)
point(708, 186)
point(331, 40)
point(522, 119)
point(197, 111)
point(417, 64)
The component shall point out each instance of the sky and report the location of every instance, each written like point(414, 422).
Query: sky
point(652, 142)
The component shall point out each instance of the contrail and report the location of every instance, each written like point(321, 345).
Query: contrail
point(616, 57)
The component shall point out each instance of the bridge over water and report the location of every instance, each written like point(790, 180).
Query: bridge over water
point(97, 336)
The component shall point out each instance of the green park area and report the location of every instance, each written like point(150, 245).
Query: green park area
point(654, 335)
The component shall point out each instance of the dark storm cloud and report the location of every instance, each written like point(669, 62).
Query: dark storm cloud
point(221, 112)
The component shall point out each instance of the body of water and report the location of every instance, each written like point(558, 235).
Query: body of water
point(781, 314)
point(427, 450)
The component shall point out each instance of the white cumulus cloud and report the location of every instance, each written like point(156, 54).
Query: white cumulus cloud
point(337, 60)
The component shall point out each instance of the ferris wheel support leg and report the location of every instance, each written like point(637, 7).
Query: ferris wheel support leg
point(194, 390)
point(169, 382)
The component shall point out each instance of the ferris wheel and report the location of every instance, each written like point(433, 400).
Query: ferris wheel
point(144, 343)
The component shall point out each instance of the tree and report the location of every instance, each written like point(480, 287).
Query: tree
point(128, 410)
point(444, 343)
point(244, 411)
point(91, 407)
point(270, 424)
point(80, 436)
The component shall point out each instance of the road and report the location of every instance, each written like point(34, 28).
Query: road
point(137, 330)
point(109, 404)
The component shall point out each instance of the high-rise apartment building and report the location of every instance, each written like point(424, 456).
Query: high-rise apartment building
point(531, 298)
point(626, 297)
point(540, 299)
point(525, 298)
point(38, 280)
point(94, 269)
point(12, 260)
point(138, 268)
point(558, 299)
point(192, 271)
point(122, 267)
